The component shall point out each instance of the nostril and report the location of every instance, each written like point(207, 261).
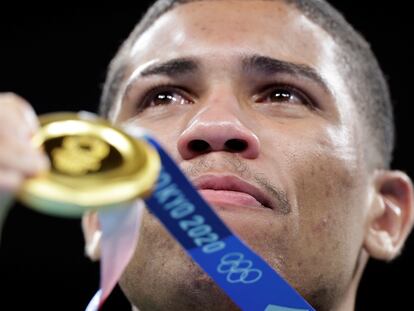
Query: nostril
point(236, 145)
point(198, 145)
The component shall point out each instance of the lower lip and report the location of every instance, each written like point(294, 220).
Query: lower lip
point(230, 198)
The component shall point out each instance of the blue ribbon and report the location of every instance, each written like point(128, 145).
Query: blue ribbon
point(245, 277)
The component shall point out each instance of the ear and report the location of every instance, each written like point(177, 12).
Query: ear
point(92, 235)
point(391, 215)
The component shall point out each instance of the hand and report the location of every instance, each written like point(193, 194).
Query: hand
point(19, 159)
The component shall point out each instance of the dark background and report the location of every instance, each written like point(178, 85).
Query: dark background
point(56, 58)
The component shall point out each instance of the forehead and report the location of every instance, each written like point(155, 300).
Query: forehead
point(227, 28)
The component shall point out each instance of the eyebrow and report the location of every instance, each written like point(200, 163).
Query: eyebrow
point(257, 64)
point(172, 68)
point(264, 65)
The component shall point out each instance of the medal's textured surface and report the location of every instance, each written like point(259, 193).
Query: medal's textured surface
point(93, 165)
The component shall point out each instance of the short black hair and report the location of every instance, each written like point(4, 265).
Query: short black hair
point(363, 75)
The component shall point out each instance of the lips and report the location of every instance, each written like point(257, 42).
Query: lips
point(231, 190)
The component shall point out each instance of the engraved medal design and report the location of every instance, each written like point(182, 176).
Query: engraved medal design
point(80, 155)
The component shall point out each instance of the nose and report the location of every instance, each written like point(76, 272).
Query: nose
point(214, 130)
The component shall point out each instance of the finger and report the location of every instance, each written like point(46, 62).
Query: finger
point(22, 157)
point(18, 115)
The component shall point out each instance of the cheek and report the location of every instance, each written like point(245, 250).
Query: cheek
point(321, 163)
point(329, 189)
point(323, 178)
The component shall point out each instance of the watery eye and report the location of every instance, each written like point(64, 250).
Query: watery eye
point(280, 95)
point(165, 98)
point(285, 95)
point(159, 98)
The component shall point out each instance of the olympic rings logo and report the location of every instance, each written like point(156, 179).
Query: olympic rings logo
point(238, 269)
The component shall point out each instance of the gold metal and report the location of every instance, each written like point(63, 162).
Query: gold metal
point(93, 165)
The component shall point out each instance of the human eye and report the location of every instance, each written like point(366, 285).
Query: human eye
point(164, 96)
point(285, 95)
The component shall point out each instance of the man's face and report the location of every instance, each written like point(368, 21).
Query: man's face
point(248, 98)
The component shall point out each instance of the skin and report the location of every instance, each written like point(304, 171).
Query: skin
point(313, 156)
point(332, 210)
point(18, 158)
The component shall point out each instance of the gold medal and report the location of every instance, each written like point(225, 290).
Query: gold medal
point(93, 165)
